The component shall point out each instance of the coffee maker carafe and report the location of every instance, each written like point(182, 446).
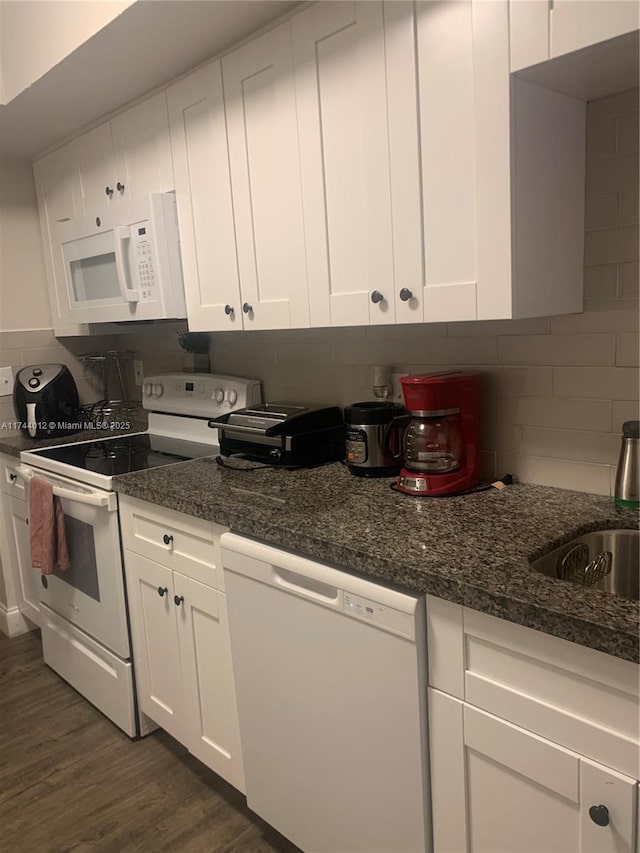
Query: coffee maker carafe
point(441, 441)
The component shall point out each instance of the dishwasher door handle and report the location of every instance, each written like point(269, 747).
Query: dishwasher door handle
point(305, 586)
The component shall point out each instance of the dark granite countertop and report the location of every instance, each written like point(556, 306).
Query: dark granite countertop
point(473, 550)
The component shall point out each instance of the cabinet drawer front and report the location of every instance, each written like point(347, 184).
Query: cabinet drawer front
point(189, 545)
point(579, 697)
point(11, 483)
point(572, 695)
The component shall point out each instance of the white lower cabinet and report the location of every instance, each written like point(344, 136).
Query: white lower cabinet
point(21, 581)
point(497, 788)
point(180, 634)
point(534, 741)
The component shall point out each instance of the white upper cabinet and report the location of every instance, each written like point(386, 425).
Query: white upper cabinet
point(498, 164)
point(205, 206)
point(262, 129)
point(541, 30)
point(339, 65)
point(433, 162)
point(142, 149)
point(59, 194)
point(126, 157)
point(530, 173)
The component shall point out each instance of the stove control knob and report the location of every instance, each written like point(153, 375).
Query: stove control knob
point(158, 390)
point(146, 389)
point(218, 395)
point(232, 396)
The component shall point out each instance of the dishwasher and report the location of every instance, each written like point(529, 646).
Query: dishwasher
point(330, 673)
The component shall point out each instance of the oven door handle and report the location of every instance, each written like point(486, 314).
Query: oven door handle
point(99, 499)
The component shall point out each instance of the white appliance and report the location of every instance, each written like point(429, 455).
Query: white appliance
point(124, 263)
point(85, 631)
point(330, 673)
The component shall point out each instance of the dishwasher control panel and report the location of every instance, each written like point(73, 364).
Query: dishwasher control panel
point(378, 614)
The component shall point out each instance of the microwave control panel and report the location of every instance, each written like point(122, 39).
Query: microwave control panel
point(143, 258)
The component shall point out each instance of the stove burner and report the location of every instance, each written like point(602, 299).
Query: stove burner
point(113, 449)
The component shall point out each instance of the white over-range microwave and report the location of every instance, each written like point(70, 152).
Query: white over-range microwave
point(124, 263)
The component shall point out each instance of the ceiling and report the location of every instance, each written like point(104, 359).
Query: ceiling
point(148, 45)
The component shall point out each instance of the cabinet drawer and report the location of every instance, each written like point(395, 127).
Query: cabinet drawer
point(175, 540)
point(575, 696)
point(11, 483)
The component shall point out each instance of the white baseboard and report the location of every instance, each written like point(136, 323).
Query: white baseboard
point(12, 622)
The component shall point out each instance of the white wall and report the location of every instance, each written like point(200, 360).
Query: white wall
point(35, 35)
point(24, 302)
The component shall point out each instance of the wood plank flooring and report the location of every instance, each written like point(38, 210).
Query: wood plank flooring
point(72, 782)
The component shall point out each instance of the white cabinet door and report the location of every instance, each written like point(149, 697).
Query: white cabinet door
point(213, 735)
point(262, 128)
point(499, 789)
point(205, 206)
point(579, 23)
point(344, 149)
point(27, 578)
point(142, 149)
point(446, 84)
point(59, 193)
point(93, 152)
point(155, 643)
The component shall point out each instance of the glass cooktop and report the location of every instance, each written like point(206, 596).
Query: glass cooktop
point(125, 454)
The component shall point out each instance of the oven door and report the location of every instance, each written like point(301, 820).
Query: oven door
point(90, 594)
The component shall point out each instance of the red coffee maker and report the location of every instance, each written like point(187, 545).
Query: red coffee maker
point(441, 441)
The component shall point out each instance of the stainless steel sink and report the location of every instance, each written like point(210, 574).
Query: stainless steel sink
point(605, 559)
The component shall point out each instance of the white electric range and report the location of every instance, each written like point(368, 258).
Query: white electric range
point(85, 630)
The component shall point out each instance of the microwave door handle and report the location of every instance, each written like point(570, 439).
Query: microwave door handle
point(122, 235)
point(31, 419)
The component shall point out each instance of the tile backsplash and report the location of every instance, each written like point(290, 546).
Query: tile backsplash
point(555, 389)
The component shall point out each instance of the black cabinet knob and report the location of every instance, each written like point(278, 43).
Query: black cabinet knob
point(376, 297)
point(167, 539)
point(405, 294)
point(108, 191)
point(13, 477)
point(247, 308)
point(228, 309)
point(600, 815)
point(120, 187)
point(162, 591)
point(178, 599)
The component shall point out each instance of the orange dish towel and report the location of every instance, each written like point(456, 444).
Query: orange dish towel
point(48, 541)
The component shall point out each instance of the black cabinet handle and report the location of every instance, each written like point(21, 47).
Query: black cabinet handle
point(13, 477)
point(120, 187)
point(228, 309)
point(376, 297)
point(167, 539)
point(247, 308)
point(108, 191)
point(600, 815)
point(405, 294)
point(178, 599)
point(162, 591)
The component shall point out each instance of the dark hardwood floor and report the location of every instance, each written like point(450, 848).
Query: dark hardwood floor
point(72, 782)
